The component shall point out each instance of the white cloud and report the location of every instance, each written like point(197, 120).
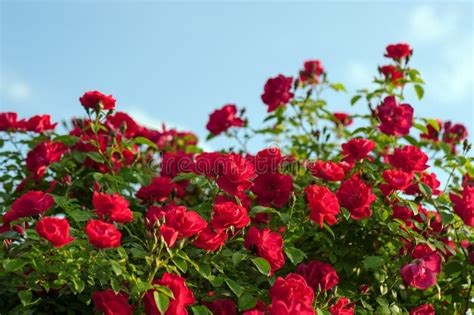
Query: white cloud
point(426, 24)
point(14, 89)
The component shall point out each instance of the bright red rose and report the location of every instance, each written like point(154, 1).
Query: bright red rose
point(114, 207)
point(357, 148)
point(29, 204)
point(229, 214)
point(97, 100)
point(277, 92)
point(323, 204)
point(259, 309)
point(221, 307)
point(392, 74)
point(158, 190)
point(311, 72)
point(426, 309)
point(273, 189)
point(397, 180)
point(428, 179)
point(356, 197)
point(124, 124)
point(404, 214)
point(408, 159)
point(8, 121)
point(39, 123)
point(398, 51)
point(103, 235)
point(45, 153)
point(395, 120)
point(421, 273)
point(112, 304)
point(169, 235)
point(342, 307)
point(328, 170)
point(209, 164)
point(292, 291)
point(343, 119)
point(236, 174)
point(183, 296)
point(224, 118)
point(187, 223)
point(464, 205)
point(266, 160)
point(55, 230)
point(279, 307)
point(210, 240)
point(266, 244)
point(319, 275)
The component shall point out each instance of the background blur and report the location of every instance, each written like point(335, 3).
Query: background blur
point(177, 62)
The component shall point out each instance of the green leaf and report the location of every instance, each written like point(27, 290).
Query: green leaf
point(25, 297)
point(165, 290)
point(355, 99)
point(262, 265)
point(234, 286)
point(261, 209)
point(12, 265)
point(295, 255)
point(145, 141)
point(373, 262)
point(419, 91)
point(237, 257)
point(95, 157)
point(67, 140)
point(184, 176)
point(79, 215)
point(115, 285)
point(78, 285)
point(246, 302)
point(161, 301)
point(420, 127)
point(338, 87)
point(116, 267)
point(434, 123)
point(200, 310)
point(180, 263)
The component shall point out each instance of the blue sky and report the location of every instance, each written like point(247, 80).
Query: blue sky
point(177, 62)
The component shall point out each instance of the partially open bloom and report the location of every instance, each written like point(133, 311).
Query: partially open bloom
point(398, 51)
point(97, 100)
point(277, 92)
point(312, 70)
point(266, 244)
point(102, 234)
point(55, 230)
point(323, 205)
point(357, 148)
point(114, 207)
point(395, 120)
point(319, 275)
point(391, 73)
point(291, 295)
point(328, 170)
point(224, 118)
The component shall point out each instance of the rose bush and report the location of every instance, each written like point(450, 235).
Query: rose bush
point(351, 213)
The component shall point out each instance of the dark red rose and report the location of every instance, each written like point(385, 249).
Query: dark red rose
point(209, 164)
point(408, 159)
point(426, 309)
point(454, 133)
point(273, 189)
point(29, 204)
point(97, 100)
point(397, 180)
point(266, 244)
point(114, 207)
point(221, 307)
point(398, 51)
point(259, 309)
point(357, 148)
point(395, 120)
point(464, 205)
point(428, 179)
point(421, 273)
point(293, 292)
point(319, 275)
point(342, 307)
point(356, 197)
point(404, 214)
point(103, 235)
point(229, 214)
point(328, 170)
point(158, 190)
point(311, 72)
point(183, 296)
point(45, 153)
point(323, 204)
point(267, 160)
point(236, 174)
point(392, 74)
point(432, 132)
point(209, 239)
point(8, 121)
point(343, 119)
point(55, 230)
point(277, 92)
point(433, 217)
point(174, 163)
point(111, 303)
point(39, 123)
point(186, 223)
point(224, 118)
point(124, 124)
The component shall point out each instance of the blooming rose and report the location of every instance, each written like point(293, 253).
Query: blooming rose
point(312, 70)
point(45, 153)
point(222, 119)
point(404, 214)
point(454, 133)
point(421, 273)
point(209, 239)
point(124, 124)
point(103, 235)
point(209, 164)
point(229, 214)
point(273, 189)
point(277, 92)
point(356, 197)
point(398, 51)
point(113, 206)
point(328, 170)
point(464, 205)
point(342, 118)
point(319, 275)
point(395, 120)
point(55, 230)
point(408, 159)
point(266, 244)
point(236, 174)
point(426, 309)
point(266, 160)
point(158, 190)
point(97, 100)
point(357, 148)
point(397, 180)
point(111, 303)
point(293, 292)
point(183, 296)
point(432, 133)
point(29, 204)
point(174, 163)
point(342, 307)
point(428, 179)
point(8, 121)
point(323, 204)
point(392, 74)
point(186, 223)
point(221, 307)
point(169, 235)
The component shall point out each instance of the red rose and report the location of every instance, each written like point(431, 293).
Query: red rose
point(454, 133)
point(8, 121)
point(111, 303)
point(328, 170)
point(357, 149)
point(432, 133)
point(398, 51)
point(29, 204)
point(356, 197)
point(186, 223)
point(266, 244)
point(221, 307)
point(428, 179)
point(39, 123)
point(273, 189)
point(55, 230)
point(229, 214)
point(342, 307)
point(395, 120)
point(244, 199)
point(103, 235)
point(292, 291)
point(397, 180)
point(259, 309)
point(277, 92)
point(311, 72)
point(319, 275)
point(266, 161)
point(392, 74)
point(408, 159)
point(169, 235)
point(124, 124)
point(158, 190)
point(464, 205)
point(343, 119)
point(222, 119)
point(210, 240)
point(45, 153)
point(426, 309)
point(183, 297)
point(280, 308)
point(174, 163)
point(209, 164)
point(97, 100)
point(236, 174)
point(421, 273)
point(113, 206)
point(323, 204)
point(404, 214)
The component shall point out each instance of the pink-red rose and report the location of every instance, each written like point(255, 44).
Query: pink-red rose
point(426, 309)
point(421, 273)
